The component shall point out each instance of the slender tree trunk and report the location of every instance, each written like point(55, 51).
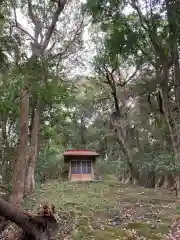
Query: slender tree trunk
point(4, 139)
point(160, 182)
point(30, 176)
point(151, 179)
point(82, 130)
point(20, 167)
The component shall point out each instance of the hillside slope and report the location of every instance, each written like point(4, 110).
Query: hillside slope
point(107, 210)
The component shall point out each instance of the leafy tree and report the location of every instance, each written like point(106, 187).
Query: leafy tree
point(150, 39)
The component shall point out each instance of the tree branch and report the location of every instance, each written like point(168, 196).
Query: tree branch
point(61, 5)
point(35, 20)
point(77, 33)
point(141, 17)
point(30, 13)
point(18, 25)
point(129, 78)
point(110, 80)
point(103, 74)
point(101, 99)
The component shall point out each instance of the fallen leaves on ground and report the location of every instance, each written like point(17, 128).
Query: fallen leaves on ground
point(103, 210)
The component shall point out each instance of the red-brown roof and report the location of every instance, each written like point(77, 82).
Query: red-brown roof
point(80, 153)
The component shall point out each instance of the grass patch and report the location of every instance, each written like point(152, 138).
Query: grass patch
point(107, 210)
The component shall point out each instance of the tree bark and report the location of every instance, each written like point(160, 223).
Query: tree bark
point(82, 131)
point(35, 227)
point(120, 132)
point(174, 133)
point(30, 176)
point(160, 182)
point(20, 167)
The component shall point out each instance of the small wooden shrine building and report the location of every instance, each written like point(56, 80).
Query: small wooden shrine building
point(81, 164)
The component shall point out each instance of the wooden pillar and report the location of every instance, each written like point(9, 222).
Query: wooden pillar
point(92, 170)
point(69, 171)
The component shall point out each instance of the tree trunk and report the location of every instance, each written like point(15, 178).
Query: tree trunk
point(30, 175)
point(133, 170)
point(174, 133)
point(160, 182)
point(20, 167)
point(4, 138)
point(172, 8)
point(39, 227)
point(151, 179)
point(168, 181)
point(82, 131)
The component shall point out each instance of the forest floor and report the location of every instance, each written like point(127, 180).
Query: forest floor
point(108, 210)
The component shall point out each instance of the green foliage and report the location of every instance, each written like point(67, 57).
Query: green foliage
point(161, 162)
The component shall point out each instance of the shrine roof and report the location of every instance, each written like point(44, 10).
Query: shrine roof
point(78, 152)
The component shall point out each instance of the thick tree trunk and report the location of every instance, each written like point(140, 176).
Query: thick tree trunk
point(172, 8)
point(177, 164)
point(174, 133)
point(20, 167)
point(168, 181)
point(30, 175)
point(121, 139)
point(41, 227)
